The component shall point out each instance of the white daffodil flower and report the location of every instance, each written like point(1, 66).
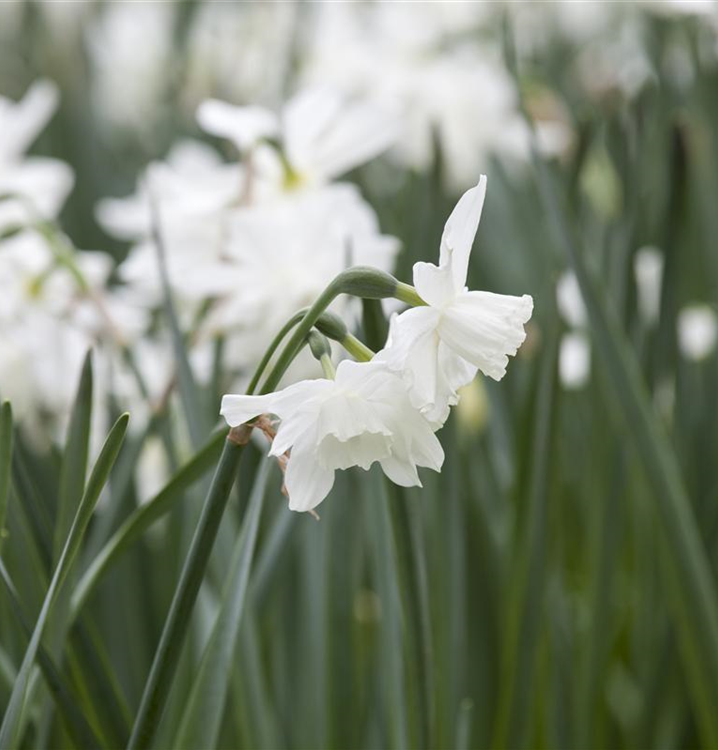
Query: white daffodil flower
point(281, 256)
point(440, 346)
point(30, 187)
point(697, 331)
point(323, 134)
point(362, 416)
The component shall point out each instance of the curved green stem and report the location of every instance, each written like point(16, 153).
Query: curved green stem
point(407, 293)
point(358, 349)
point(328, 366)
point(276, 341)
point(363, 282)
point(299, 336)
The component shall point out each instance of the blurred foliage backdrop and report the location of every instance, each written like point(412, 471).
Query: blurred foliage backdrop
point(568, 547)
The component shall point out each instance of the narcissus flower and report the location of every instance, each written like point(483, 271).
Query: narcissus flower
point(439, 347)
point(361, 417)
point(36, 186)
point(323, 134)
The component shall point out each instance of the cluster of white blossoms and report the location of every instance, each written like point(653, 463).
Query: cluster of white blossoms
point(438, 67)
point(55, 301)
point(41, 350)
point(387, 410)
point(249, 242)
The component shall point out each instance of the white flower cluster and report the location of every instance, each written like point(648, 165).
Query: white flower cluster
point(386, 410)
point(250, 242)
point(437, 66)
point(42, 347)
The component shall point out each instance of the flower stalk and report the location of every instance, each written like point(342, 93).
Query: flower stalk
point(360, 281)
point(409, 550)
point(407, 293)
point(175, 629)
point(358, 349)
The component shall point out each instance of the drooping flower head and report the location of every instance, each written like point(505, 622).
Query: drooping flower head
point(440, 346)
point(361, 417)
point(323, 133)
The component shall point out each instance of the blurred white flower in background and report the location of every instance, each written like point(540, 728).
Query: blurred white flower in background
point(574, 360)
point(322, 134)
point(574, 357)
point(439, 347)
point(648, 268)
point(41, 351)
point(279, 257)
point(697, 331)
point(250, 242)
point(31, 187)
point(570, 301)
point(428, 65)
point(241, 51)
point(361, 417)
point(131, 48)
point(192, 191)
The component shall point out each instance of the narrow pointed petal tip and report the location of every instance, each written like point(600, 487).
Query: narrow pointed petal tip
point(239, 409)
point(460, 231)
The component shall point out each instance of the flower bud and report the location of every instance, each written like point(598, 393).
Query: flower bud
point(367, 282)
point(332, 326)
point(319, 345)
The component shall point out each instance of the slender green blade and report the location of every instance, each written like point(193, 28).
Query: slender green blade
point(144, 517)
point(71, 713)
point(74, 460)
point(100, 473)
point(190, 394)
point(525, 609)
point(205, 705)
point(5, 464)
point(168, 652)
point(691, 586)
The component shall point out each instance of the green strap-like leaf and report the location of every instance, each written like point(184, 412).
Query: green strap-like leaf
point(144, 517)
point(71, 713)
point(74, 460)
point(5, 464)
point(205, 705)
point(11, 721)
point(197, 423)
point(164, 665)
point(690, 585)
point(526, 594)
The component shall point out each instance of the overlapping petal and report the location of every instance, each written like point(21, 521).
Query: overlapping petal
point(438, 348)
point(363, 417)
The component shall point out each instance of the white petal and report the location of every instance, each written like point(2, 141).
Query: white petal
point(459, 233)
point(307, 482)
point(21, 123)
point(574, 361)
point(326, 136)
point(244, 126)
point(570, 301)
point(401, 472)
point(360, 450)
point(424, 447)
point(345, 417)
point(453, 372)
point(485, 328)
point(42, 183)
point(414, 445)
point(405, 331)
point(237, 409)
point(435, 284)
point(289, 432)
